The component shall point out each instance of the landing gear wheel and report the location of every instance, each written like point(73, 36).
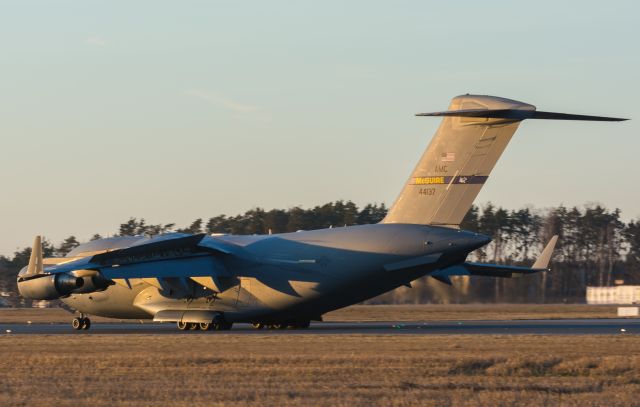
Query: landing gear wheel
point(205, 326)
point(193, 326)
point(279, 326)
point(81, 322)
point(222, 326)
point(183, 325)
point(77, 324)
point(257, 325)
point(302, 324)
point(86, 323)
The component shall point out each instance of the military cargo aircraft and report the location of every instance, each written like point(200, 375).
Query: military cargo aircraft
point(287, 280)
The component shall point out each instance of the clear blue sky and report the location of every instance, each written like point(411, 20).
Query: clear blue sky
point(177, 110)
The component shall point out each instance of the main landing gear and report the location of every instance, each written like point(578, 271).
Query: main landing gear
point(204, 326)
point(283, 325)
point(81, 323)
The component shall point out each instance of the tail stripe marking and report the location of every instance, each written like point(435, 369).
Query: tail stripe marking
point(458, 179)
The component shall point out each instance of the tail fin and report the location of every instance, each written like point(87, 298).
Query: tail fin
point(36, 261)
point(470, 140)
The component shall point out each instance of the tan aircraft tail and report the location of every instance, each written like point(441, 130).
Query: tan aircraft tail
point(36, 260)
point(471, 138)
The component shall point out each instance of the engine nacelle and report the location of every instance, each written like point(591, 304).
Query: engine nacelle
point(92, 284)
point(49, 287)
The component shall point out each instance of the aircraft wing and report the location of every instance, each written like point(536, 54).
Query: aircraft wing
point(180, 245)
point(161, 262)
point(497, 270)
point(176, 255)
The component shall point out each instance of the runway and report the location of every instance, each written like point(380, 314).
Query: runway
point(515, 327)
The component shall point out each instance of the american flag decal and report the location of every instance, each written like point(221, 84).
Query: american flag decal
point(448, 157)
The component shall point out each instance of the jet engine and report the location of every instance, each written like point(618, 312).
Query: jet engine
point(93, 283)
point(49, 286)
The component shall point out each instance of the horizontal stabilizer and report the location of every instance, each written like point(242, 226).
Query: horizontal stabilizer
point(482, 270)
point(497, 270)
point(518, 114)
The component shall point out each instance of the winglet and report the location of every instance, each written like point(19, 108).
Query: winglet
point(543, 260)
point(35, 261)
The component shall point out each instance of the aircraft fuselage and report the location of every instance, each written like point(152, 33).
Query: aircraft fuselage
point(297, 275)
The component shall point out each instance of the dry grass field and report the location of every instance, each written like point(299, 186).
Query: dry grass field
point(381, 313)
point(326, 370)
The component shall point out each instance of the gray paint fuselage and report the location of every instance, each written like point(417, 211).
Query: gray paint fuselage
point(295, 275)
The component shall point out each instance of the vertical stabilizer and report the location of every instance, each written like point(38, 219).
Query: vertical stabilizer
point(36, 261)
point(458, 161)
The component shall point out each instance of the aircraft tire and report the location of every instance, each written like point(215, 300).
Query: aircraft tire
point(193, 326)
point(76, 324)
point(221, 324)
point(302, 324)
point(224, 326)
point(183, 326)
point(257, 325)
point(205, 326)
point(86, 323)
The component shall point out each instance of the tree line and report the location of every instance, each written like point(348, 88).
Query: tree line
point(595, 248)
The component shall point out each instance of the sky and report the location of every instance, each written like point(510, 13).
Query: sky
point(173, 111)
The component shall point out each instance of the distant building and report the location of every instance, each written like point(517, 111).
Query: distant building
point(621, 294)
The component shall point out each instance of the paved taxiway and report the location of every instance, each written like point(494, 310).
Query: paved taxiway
point(520, 327)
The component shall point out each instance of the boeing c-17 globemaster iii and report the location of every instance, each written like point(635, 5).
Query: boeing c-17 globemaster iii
point(287, 280)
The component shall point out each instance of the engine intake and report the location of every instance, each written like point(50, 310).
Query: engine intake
point(49, 286)
point(92, 284)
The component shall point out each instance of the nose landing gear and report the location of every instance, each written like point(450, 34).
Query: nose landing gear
point(81, 322)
